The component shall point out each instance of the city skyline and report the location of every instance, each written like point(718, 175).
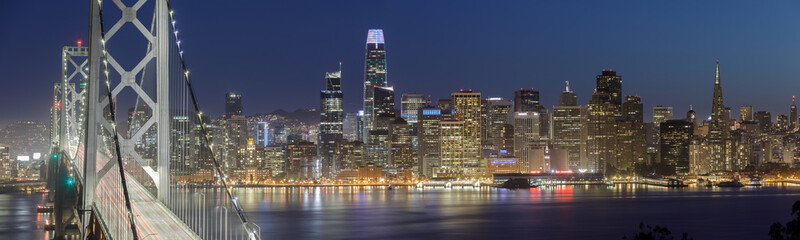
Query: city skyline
point(677, 59)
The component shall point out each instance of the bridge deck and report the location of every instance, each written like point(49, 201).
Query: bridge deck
point(153, 219)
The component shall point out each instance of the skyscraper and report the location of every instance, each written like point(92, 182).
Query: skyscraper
point(792, 116)
point(233, 104)
point(631, 146)
point(676, 137)
point(661, 114)
point(467, 106)
point(384, 102)
point(717, 131)
point(497, 112)
point(410, 104)
point(746, 113)
point(569, 133)
point(262, 134)
point(331, 120)
point(567, 97)
point(526, 100)
point(526, 138)
point(601, 130)
point(608, 82)
point(428, 131)
point(374, 74)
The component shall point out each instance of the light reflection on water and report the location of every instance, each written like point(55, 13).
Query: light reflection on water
point(559, 212)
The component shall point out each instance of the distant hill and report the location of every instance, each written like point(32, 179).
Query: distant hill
point(307, 116)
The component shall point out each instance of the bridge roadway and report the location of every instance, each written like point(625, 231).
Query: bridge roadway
point(153, 219)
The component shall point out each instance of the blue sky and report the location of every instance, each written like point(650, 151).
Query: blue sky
point(276, 52)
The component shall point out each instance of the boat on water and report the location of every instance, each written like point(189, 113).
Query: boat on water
point(660, 181)
point(754, 181)
point(734, 183)
point(517, 183)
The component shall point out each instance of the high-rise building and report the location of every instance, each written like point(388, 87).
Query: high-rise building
point(631, 145)
point(374, 74)
point(608, 82)
point(233, 104)
point(350, 127)
point(792, 116)
point(567, 97)
point(275, 159)
point(302, 158)
point(251, 156)
point(661, 114)
point(384, 102)
point(428, 130)
point(467, 108)
point(504, 142)
point(497, 113)
point(601, 130)
point(526, 100)
point(526, 138)
point(691, 116)
point(452, 154)
point(262, 134)
point(746, 113)
point(763, 120)
point(782, 123)
point(569, 133)
point(401, 152)
point(676, 138)
point(410, 104)
point(6, 165)
point(718, 131)
point(331, 120)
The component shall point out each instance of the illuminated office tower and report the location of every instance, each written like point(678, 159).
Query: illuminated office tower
point(374, 74)
point(763, 120)
point(569, 133)
point(718, 131)
point(428, 131)
point(262, 134)
point(567, 97)
point(792, 116)
point(504, 142)
point(526, 138)
point(601, 131)
point(746, 113)
point(301, 160)
point(331, 120)
point(611, 84)
point(676, 139)
point(233, 104)
point(527, 100)
point(251, 156)
point(661, 114)
point(410, 104)
point(452, 155)
point(467, 106)
point(631, 145)
point(350, 127)
point(401, 153)
point(6, 164)
point(497, 113)
point(384, 102)
point(275, 159)
point(782, 123)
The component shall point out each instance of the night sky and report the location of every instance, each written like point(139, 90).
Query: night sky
point(276, 53)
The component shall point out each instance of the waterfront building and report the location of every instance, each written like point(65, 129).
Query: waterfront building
point(569, 134)
point(526, 138)
point(601, 131)
point(275, 159)
point(453, 155)
point(467, 109)
point(497, 114)
point(250, 155)
point(401, 153)
point(428, 132)
point(302, 158)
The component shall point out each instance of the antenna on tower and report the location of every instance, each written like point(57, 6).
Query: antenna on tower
point(567, 85)
point(690, 107)
point(340, 66)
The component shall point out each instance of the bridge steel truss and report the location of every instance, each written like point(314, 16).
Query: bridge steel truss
point(84, 133)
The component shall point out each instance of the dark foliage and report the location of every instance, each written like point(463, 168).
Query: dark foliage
point(792, 229)
point(647, 232)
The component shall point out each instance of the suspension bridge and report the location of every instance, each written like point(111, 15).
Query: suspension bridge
point(151, 172)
